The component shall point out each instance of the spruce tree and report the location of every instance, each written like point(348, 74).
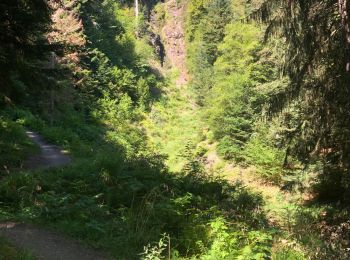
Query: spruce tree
point(23, 25)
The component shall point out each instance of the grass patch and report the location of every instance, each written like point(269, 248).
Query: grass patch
point(15, 146)
point(8, 252)
point(174, 125)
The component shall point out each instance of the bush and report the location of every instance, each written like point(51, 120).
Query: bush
point(15, 146)
point(268, 159)
point(228, 149)
point(288, 253)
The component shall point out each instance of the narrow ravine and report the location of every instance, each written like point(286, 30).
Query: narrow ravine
point(174, 129)
point(179, 124)
point(174, 123)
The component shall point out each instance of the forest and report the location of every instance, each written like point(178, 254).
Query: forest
point(191, 129)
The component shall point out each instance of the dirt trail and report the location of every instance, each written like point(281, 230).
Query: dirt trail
point(50, 156)
point(44, 244)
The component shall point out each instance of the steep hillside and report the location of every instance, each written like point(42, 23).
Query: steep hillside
point(173, 35)
point(174, 124)
point(168, 21)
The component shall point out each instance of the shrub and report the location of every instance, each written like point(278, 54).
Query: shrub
point(15, 146)
point(228, 149)
point(267, 159)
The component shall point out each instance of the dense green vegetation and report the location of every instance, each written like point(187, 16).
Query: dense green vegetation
point(244, 78)
point(237, 164)
point(15, 146)
point(247, 79)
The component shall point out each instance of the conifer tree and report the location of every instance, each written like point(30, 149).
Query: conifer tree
point(219, 15)
point(23, 25)
point(317, 58)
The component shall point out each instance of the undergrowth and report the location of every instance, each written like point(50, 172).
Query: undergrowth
point(122, 199)
point(174, 122)
point(8, 252)
point(15, 146)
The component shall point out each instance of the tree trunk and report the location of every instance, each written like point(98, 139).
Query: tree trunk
point(137, 9)
point(345, 21)
point(136, 18)
point(52, 106)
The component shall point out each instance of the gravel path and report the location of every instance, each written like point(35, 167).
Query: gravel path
point(50, 156)
point(46, 245)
